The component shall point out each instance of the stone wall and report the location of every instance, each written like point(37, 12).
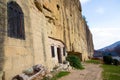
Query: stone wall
point(2, 34)
point(18, 53)
point(59, 19)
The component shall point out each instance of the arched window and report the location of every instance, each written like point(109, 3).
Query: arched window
point(15, 21)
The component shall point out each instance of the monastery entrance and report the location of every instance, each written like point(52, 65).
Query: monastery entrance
point(58, 52)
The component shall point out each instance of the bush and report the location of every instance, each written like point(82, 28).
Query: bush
point(74, 61)
point(107, 59)
point(115, 62)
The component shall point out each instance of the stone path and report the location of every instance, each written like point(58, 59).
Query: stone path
point(91, 72)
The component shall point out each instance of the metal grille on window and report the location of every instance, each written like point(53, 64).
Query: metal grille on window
point(15, 21)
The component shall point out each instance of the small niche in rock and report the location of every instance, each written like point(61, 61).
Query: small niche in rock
point(58, 7)
point(38, 5)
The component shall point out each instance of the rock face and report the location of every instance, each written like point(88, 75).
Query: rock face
point(51, 28)
point(89, 40)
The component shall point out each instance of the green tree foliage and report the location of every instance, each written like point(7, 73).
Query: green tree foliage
point(74, 61)
point(115, 62)
point(107, 59)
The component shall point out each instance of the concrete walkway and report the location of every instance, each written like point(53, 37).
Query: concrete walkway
point(91, 72)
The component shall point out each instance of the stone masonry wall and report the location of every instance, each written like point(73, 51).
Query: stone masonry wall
point(2, 34)
point(18, 53)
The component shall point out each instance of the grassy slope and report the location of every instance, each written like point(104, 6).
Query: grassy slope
point(111, 72)
point(93, 61)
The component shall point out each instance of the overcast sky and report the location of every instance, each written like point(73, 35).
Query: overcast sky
point(103, 17)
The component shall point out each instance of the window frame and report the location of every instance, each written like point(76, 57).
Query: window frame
point(53, 51)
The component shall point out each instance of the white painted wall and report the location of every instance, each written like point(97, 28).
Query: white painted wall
point(56, 44)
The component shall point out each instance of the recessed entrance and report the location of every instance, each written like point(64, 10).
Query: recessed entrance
point(59, 55)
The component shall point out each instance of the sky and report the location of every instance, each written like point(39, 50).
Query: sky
point(103, 19)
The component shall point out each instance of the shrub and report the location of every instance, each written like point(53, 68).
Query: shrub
point(115, 62)
point(74, 61)
point(107, 59)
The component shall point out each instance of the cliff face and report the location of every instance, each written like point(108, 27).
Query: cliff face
point(88, 39)
point(56, 23)
point(67, 24)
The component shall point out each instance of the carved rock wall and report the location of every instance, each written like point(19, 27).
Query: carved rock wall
point(60, 20)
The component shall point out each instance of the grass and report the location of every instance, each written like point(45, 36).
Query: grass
point(58, 75)
point(62, 73)
point(93, 61)
point(111, 72)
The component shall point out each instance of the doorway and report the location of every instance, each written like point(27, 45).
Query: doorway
point(59, 55)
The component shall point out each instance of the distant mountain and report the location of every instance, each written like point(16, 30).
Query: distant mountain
point(114, 49)
point(111, 47)
point(97, 54)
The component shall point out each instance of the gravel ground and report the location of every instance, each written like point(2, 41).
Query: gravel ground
point(91, 72)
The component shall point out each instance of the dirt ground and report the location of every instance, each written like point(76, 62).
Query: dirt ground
point(91, 72)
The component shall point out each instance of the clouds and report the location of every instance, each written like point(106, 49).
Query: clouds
point(104, 36)
point(84, 1)
point(103, 17)
point(100, 10)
